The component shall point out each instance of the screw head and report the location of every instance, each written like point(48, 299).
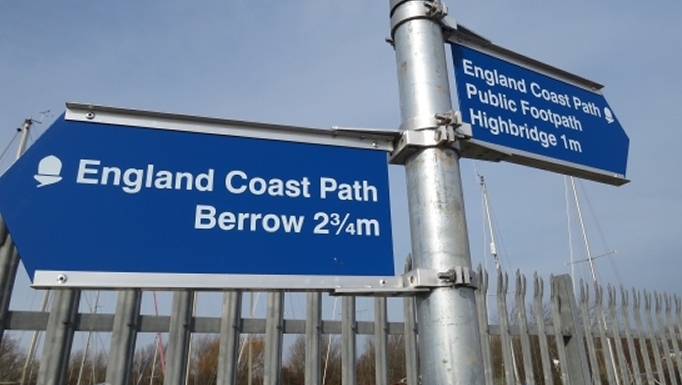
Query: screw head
point(90, 115)
point(62, 278)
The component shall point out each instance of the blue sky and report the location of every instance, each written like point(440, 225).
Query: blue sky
point(325, 63)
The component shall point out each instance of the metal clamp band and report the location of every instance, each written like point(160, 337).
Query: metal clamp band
point(458, 276)
point(410, 10)
point(442, 129)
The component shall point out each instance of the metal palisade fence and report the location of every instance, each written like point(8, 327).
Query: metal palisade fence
point(604, 335)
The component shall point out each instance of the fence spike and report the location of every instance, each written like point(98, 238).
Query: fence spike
point(483, 279)
point(624, 297)
point(501, 289)
point(612, 295)
point(538, 286)
point(657, 301)
point(584, 292)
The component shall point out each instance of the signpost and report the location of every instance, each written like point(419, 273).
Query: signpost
point(534, 114)
point(120, 191)
point(116, 198)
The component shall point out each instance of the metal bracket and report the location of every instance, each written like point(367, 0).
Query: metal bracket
point(436, 9)
point(417, 281)
point(411, 283)
point(442, 129)
point(458, 276)
point(410, 10)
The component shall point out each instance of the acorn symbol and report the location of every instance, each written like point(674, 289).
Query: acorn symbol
point(608, 115)
point(49, 171)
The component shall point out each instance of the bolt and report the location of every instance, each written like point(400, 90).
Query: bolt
point(90, 115)
point(61, 278)
point(375, 144)
point(447, 275)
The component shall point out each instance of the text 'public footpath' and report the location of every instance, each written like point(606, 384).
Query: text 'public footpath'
point(527, 116)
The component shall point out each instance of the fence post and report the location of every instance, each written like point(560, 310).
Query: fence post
point(410, 327)
point(483, 326)
point(9, 262)
point(229, 338)
point(313, 331)
point(381, 341)
point(178, 337)
point(59, 336)
point(617, 341)
point(538, 293)
point(505, 336)
point(348, 344)
point(568, 334)
point(653, 338)
point(641, 336)
point(589, 336)
point(636, 372)
point(523, 327)
point(123, 336)
point(274, 331)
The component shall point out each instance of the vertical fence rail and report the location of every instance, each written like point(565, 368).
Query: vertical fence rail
point(9, 263)
point(123, 336)
point(523, 328)
point(484, 325)
point(568, 334)
point(634, 362)
point(644, 351)
point(615, 329)
point(274, 333)
point(675, 331)
point(539, 309)
point(674, 335)
point(230, 327)
point(664, 339)
point(179, 337)
point(587, 327)
point(381, 341)
point(505, 335)
point(410, 330)
point(313, 332)
point(348, 343)
point(61, 325)
point(653, 338)
point(605, 343)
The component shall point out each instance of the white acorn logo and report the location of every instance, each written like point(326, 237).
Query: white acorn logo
point(49, 171)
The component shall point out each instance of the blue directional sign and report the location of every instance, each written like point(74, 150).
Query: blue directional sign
point(539, 115)
point(90, 196)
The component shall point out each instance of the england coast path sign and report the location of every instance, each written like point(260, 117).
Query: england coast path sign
point(110, 197)
point(524, 111)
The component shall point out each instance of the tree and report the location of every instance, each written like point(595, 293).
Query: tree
point(395, 361)
point(12, 360)
point(94, 368)
point(145, 370)
point(205, 351)
point(293, 372)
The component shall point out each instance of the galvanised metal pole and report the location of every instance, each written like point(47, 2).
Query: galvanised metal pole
point(449, 342)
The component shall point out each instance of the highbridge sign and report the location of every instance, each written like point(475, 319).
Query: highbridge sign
point(524, 111)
